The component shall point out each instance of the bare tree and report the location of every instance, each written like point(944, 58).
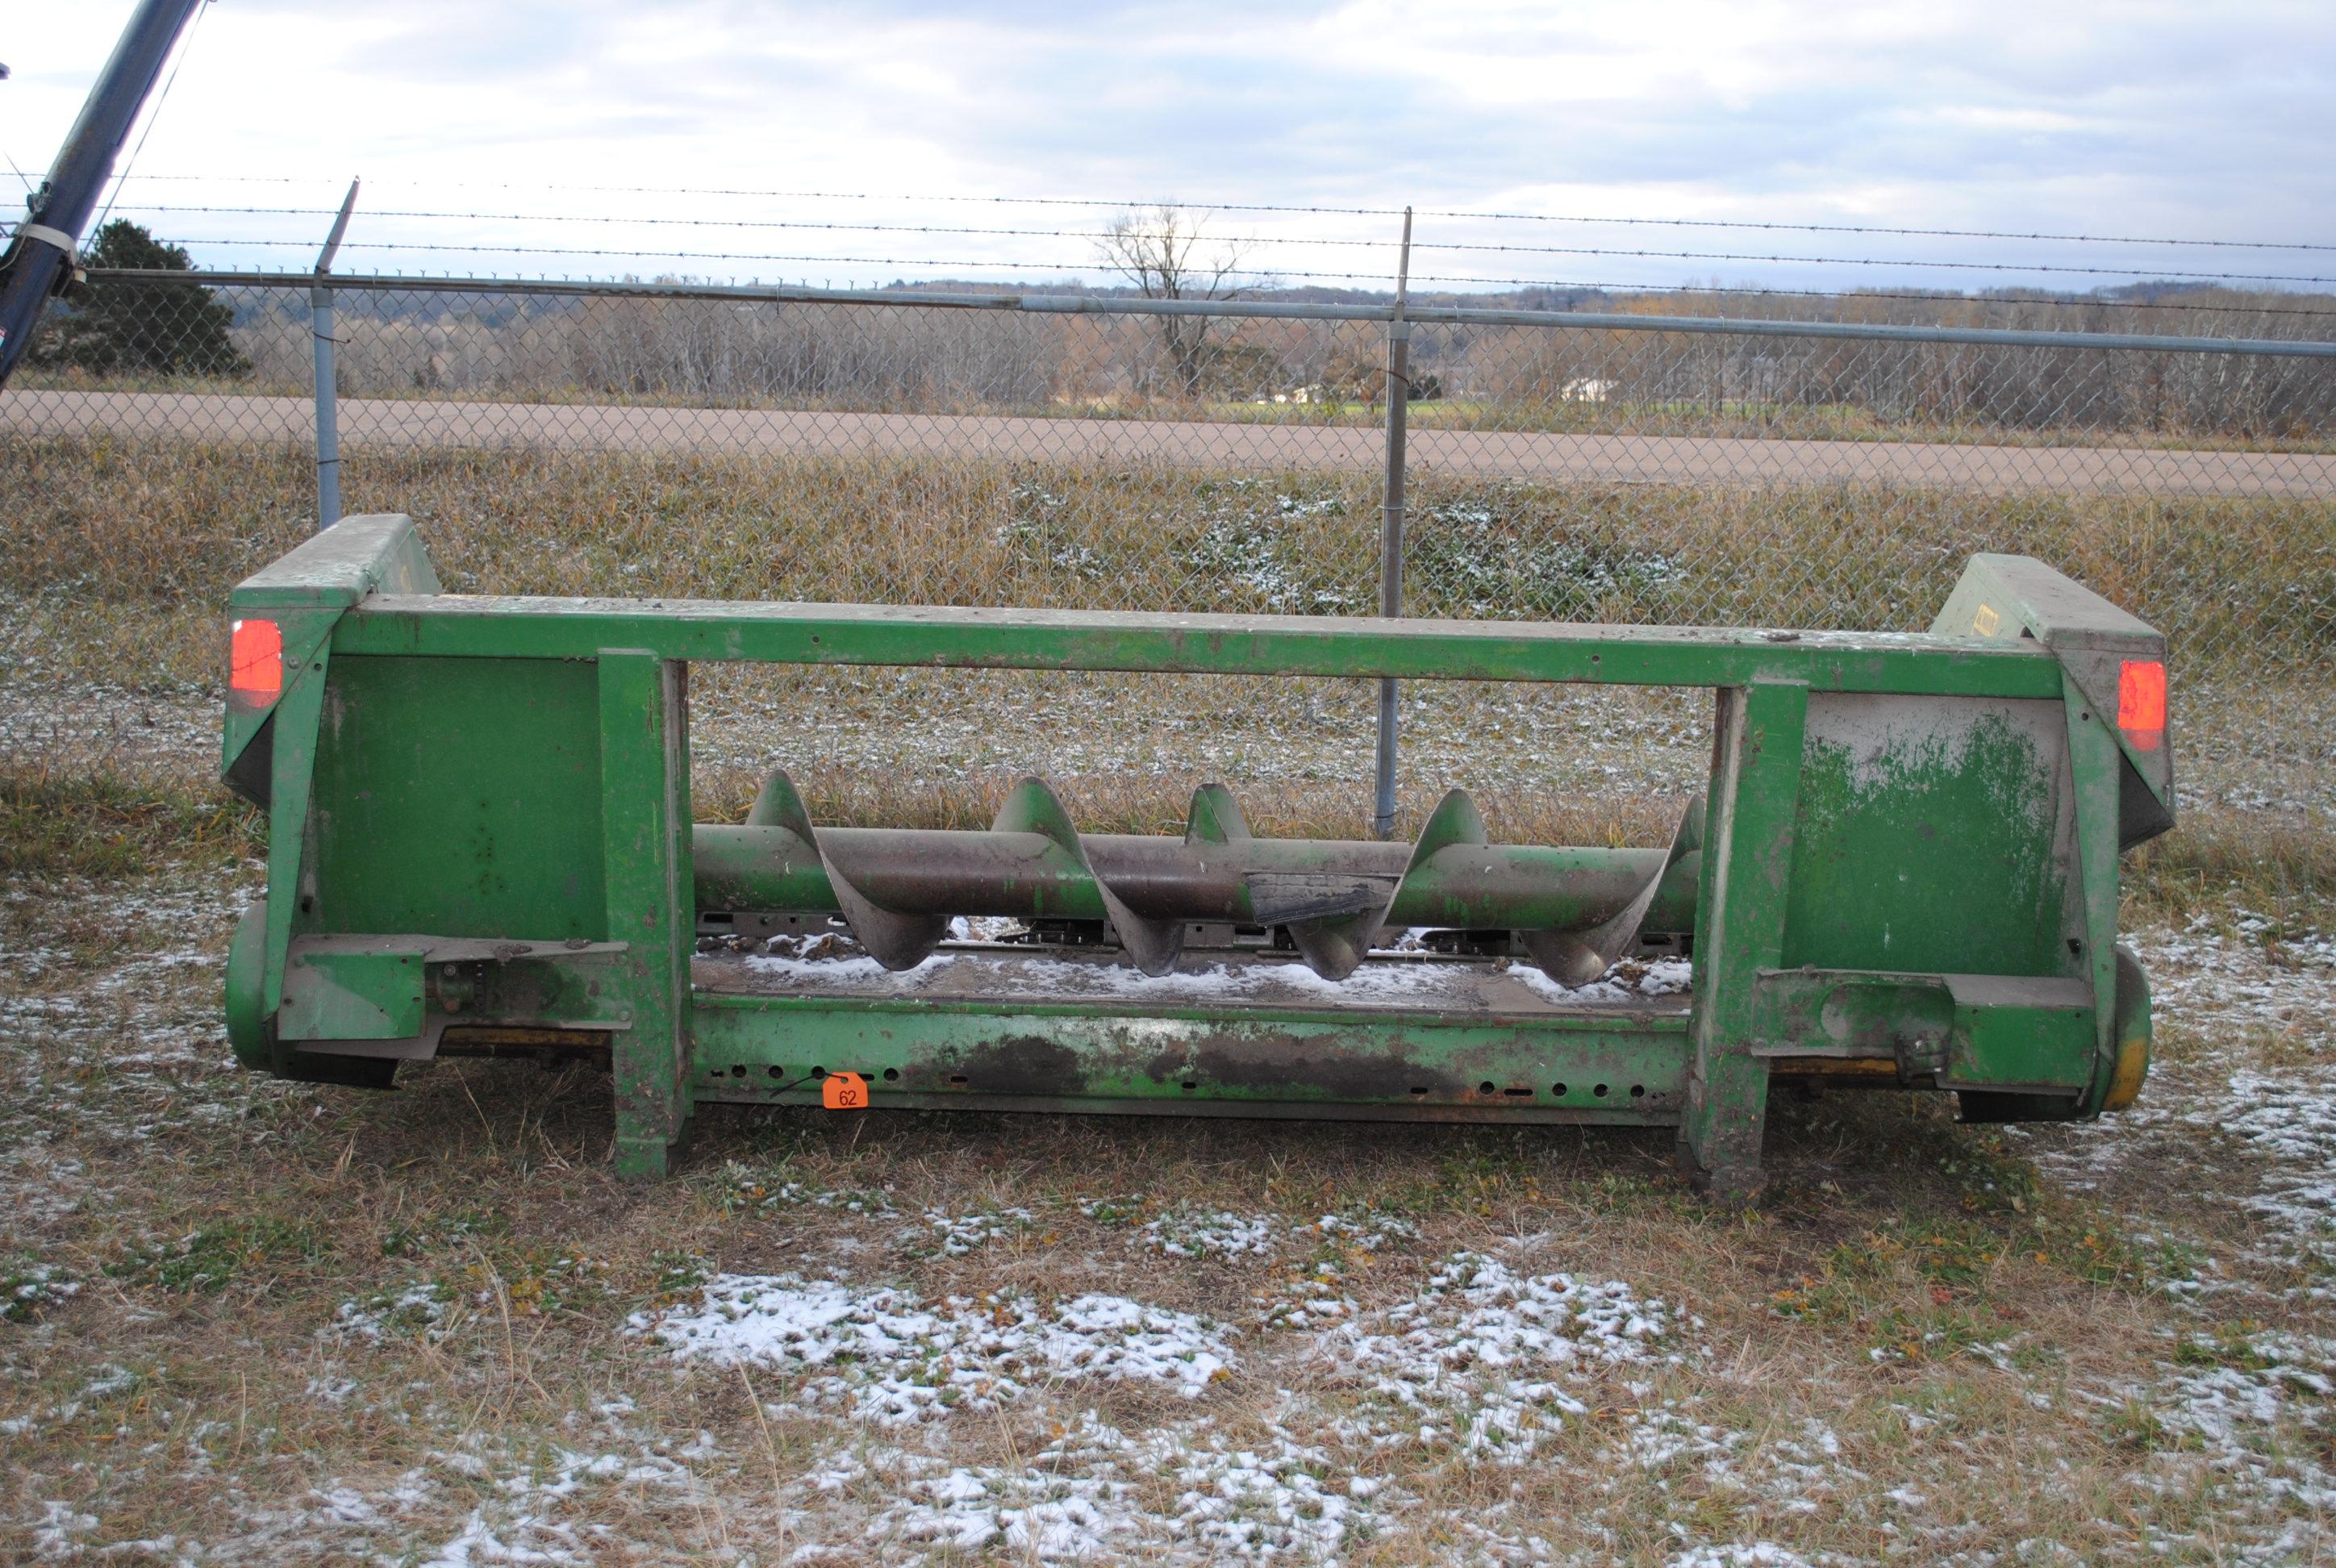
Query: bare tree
point(1161, 252)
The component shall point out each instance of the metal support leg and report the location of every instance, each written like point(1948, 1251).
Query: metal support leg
point(1739, 929)
point(644, 832)
point(2095, 766)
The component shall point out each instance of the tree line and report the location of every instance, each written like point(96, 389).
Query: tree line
point(938, 359)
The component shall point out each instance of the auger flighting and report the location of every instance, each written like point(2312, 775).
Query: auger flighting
point(1574, 912)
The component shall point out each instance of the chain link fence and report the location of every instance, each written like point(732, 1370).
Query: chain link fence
point(560, 439)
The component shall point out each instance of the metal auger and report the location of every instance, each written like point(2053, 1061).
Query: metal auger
point(1574, 910)
point(480, 840)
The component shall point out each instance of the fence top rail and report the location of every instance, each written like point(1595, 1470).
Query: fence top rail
point(1253, 309)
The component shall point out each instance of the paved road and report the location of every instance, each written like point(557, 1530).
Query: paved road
point(1583, 459)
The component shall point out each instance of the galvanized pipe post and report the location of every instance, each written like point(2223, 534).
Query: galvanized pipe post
point(1397, 386)
point(320, 328)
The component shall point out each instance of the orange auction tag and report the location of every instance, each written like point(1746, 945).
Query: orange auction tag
point(843, 1092)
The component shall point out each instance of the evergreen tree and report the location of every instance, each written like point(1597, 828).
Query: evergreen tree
point(112, 326)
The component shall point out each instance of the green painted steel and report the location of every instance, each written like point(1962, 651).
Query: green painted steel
point(480, 839)
point(709, 631)
point(1912, 811)
point(1250, 1060)
point(374, 995)
point(485, 776)
point(1747, 870)
point(645, 835)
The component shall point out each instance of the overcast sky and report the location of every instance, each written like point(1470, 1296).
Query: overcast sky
point(2180, 121)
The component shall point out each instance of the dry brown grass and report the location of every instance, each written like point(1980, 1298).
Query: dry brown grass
point(230, 1410)
point(1916, 1310)
point(169, 527)
point(1997, 1323)
point(120, 555)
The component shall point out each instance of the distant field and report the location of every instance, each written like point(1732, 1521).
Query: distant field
point(1519, 449)
point(58, 402)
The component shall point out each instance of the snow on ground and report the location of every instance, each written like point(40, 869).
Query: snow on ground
point(2254, 1080)
point(2251, 1086)
point(1189, 1232)
point(886, 1357)
point(1185, 1438)
point(1098, 1494)
point(2246, 1419)
point(479, 1499)
point(1408, 980)
point(955, 1235)
point(48, 713)
point(1478, 1358)
point(122, 1052)
point(1479, 1364)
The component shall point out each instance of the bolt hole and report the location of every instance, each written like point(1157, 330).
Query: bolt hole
point(1417, 1093)
point(1487, 1087)
point(777, 1072)
point(960, 1078)
point(1600, 1091)
point(1557, 1089)
point(891, 1074)
point(819, 1072)
point(1638, 1091)
point(739, 1071)
point(1190, 1086)
point(2076, 948)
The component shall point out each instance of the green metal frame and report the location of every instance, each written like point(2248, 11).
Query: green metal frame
point(480, 820)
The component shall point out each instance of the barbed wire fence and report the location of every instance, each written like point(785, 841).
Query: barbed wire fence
point(1753, 456)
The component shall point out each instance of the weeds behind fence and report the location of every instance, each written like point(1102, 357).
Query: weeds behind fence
point(913, 454)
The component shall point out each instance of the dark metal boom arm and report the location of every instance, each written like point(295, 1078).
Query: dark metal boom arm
point(47, 240)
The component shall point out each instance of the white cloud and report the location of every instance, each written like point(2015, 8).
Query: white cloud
point(2121, 118)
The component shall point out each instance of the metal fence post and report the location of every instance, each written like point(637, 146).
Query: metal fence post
point(1395, 384)
point(328, 417)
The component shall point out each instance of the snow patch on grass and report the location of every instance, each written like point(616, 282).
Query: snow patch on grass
point(1096, 1494)
point(1187, 1232)
point(955, 1235)
point(1744, 1554)
point(2247, 1416)
point(1476, 1359)
point(886, 1357)
point(416, 1309)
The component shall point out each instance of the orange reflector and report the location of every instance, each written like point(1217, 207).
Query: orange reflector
point(2141, 703)
point(255, 666)
point(843, 1092)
